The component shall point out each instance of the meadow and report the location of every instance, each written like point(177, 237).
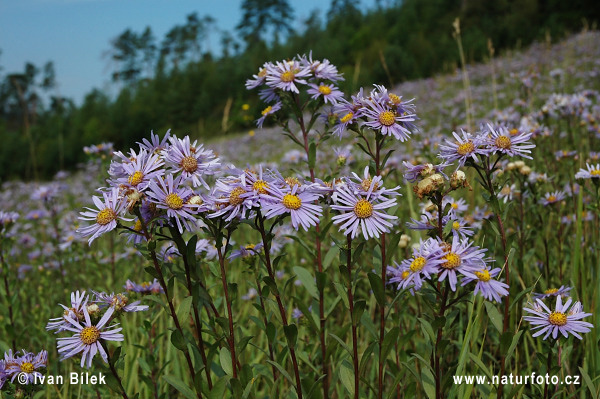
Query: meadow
point(360, 245)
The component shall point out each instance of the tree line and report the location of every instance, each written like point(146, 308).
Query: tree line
point(180, 82)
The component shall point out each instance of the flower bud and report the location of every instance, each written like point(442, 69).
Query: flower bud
point(525, 170)
point(519, 164)
point(429, 185)
point(510, 166)
point(458, 179)
point(402, 243)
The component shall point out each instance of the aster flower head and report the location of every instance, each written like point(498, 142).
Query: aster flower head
point(464, 147)
point(7, 219)
point(270, 110)
point(106, 215)
point(285, 75)
point(119, 302)
point(298, 203)
point(457, 206)
point(169, 194)
point(155, 145)
point(550, 292)
point(246, 251)
point(380, 116)
point(88, 338)
point(461, 228)
point(26, 366)
point(362, 212)
point(460, 257)
point(75, 312)
point(592, 172)
point(3, 373)
point(144, 288)
point(329, 93)
point(232, 197)
point(364, 184)
point(347, 113)
point(489, 288)
point(259, 79)
point(564, 319)
point(321, 69)
point(502, 140)
point(421, 266)
point(141, 169)
point(192, 160)
point(552, 198)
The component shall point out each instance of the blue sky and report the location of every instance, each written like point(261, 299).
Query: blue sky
point(75, 34)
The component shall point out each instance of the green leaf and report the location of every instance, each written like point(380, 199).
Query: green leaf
point(291, 334)
point(191, 252)
point(359, 308)
point(342, 343)
point(589, 383)
point(225, 358)
point(183, 310)
point(347, 377)
point(308, 281)
point(178, 340)
point(391, 337)
point(513, 345)
point(494, 316)
point(427, 329)
point(377, 287)
point(115, 356)
point(180, 386)
point(329, 257)
point(282, 371)
point(321, 278)
point(428, 383)
point(218, 390)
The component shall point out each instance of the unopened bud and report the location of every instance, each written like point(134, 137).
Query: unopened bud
point(511, 166)
point(519, 164)
point(525, 170)
point(402, 243)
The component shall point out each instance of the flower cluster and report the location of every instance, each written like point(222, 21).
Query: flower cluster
point(27, 365)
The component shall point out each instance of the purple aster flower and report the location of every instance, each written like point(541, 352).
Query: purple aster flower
point(285, 75)
point(270, 110)
point(592, 172)
point(562, 291)
point(297, 314)
point(155, 145)
point(416, 172)
point(387, 121)
point(362, 185)
point(7, 219)
point(140, 170)
point(3, 373)
point(192, 160)
point(463, 148)
point(75, 312)
point(321, 69)
point(170, 195)
point(330, 93)
point(565, 319)
point(144, 288)
point(489, 288)
point(552, 198)
point(88, 338)
point(300, 204)
point(507, 192)
point(246, 251)
point(232, 197)
point(502, 141)
point(412, 272)
point(27, 366)
point(118, 302)
point(259, 79)
point(347, 112)
point(462, 257)
point(456, 206)
point(252, 293)
point(105, 217)
point(362, 212)
point(461, 228)
point(428, 221)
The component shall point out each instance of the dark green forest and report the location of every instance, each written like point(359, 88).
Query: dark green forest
point(177, 82)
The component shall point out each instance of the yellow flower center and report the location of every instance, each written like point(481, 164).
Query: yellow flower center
point(262, 73)
point(363, 209)
point(514, 132)
point(465, 148)
point(291, 201)
point(387, 118)
point(505, 190)
point(287, 76)
point(89, 335)
point(249, 246)
point(557, 318)
point(145, 284)
point(503, 142)
point(189, 164)
point(405, 274)
point(452, 261)
point(105, 216)
point(456, 225)
point(454, 205)
point(260, 186)
point(119, 301)
point(234, 196)
point(551, 198)
point(346, 118)
point(292, 181)
point(483, 275)
point(174, 201)
point(325, 90)
point(267, 110)
point(417, 264)
point(27, 367)
point(136, 178)
point(551, 291)
point(138, 225)
point(394, 99)
point(595, 172)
